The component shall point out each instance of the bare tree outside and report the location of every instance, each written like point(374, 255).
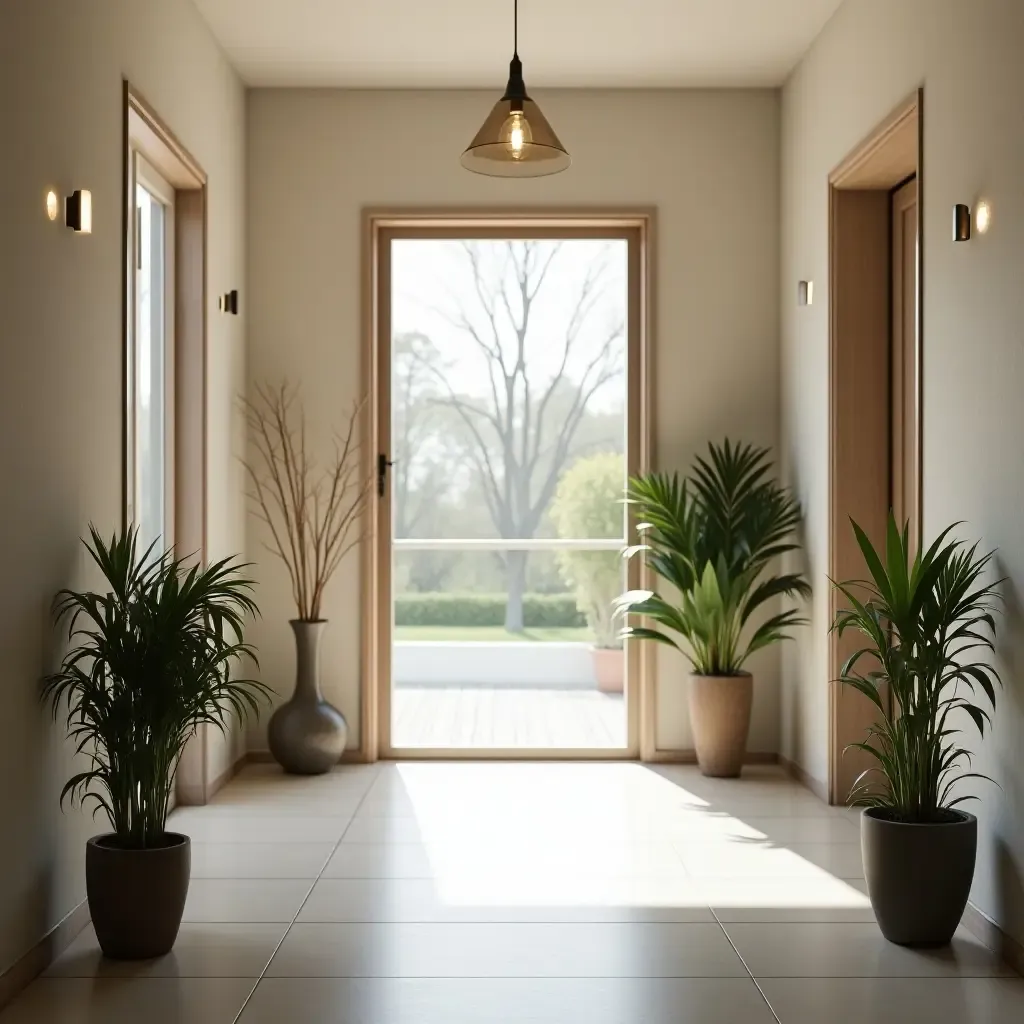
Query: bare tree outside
point(534, 343)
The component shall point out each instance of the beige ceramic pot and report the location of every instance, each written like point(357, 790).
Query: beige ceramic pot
point(720, 718)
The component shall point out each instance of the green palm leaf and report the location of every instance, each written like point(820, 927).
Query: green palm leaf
point(151, 660)
point(713, 538)
point(921, 613)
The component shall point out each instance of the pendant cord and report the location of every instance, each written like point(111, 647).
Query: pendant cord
point(515, 28)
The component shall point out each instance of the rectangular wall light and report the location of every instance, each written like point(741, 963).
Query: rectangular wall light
point(805, 293)
point(961, 223)
point(78, 211)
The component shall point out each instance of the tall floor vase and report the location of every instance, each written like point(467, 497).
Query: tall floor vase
point(307, 735)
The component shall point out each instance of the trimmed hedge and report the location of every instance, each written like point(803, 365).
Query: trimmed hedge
point(540, 611)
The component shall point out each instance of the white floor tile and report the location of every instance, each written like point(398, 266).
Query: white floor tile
point(391, 830)
point(752, 859)
point(548, 900)
point(507, 1001)
point(246, 900)
point(853, 951)
point(130, 1000)
point(374, 860)
point(820, 828)
point(209, 825)
point(521, 857)
point(505, 950)
point(272, 804)
point(896, 1000)
point(789, 900)
point(202, 951)
point(259, 860)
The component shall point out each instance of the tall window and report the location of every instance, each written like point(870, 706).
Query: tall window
point(151, 357)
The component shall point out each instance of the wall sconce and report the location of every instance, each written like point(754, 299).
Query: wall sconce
point(805, 293)
point(78, 211)
point(228, 303)
point(961, 223)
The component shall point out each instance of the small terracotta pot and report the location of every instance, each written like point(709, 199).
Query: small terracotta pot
point(609, 668)
point(137, 897)
point(720, 719)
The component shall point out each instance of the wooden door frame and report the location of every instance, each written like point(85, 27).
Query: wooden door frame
point(381, 225)
point(879, 164)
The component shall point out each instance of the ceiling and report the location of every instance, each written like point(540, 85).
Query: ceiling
point(467, 43)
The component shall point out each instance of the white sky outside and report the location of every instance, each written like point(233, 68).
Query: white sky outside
point(432, 278)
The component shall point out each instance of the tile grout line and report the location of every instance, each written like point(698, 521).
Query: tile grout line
point(305, 899)
point(728, 938)
point(750, 973)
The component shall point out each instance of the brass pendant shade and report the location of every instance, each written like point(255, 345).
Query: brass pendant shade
point(516, 140)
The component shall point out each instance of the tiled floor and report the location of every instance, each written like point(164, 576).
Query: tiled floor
point(541, 893)
point(487, 718)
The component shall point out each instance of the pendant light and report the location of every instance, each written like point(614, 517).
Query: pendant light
point(516, 140)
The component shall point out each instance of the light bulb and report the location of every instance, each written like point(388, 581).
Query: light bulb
point(516, 134)
point(982, 217)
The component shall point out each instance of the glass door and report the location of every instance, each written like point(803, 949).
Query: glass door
point(509, 382)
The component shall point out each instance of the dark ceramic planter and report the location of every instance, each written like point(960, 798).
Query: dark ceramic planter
point(137, 897)
point(306, 735)
point(918, 876)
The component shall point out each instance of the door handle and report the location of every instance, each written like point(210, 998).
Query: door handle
point(383, 462)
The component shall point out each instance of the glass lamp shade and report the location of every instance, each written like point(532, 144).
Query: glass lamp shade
point(516, 141)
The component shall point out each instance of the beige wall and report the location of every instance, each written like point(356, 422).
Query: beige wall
point(61, 67)
point(707, 160)
point(869, 58)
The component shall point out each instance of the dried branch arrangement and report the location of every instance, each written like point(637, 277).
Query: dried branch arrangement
point(314, 513)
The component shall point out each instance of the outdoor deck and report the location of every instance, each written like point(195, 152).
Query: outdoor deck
point(481, 718)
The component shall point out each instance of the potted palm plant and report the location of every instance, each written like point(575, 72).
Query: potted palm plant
point(588, 505)
point(925, 621)
point(150, 662)
point(714, 538)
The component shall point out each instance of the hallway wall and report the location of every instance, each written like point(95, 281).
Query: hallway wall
point(869, 58)
point(61, 68)
point(707, 160)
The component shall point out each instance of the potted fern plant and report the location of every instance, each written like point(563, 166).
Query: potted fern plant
point(150, 661)
point(926, 626)
point(714, 538)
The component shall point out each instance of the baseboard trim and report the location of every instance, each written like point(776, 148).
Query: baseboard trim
point(988, 932)
point(24, 971)
point(688, 756)
point(266, 757)
point(226, 776)
point(808, 781)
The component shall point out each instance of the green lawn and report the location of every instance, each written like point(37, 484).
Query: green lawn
point(491, 633)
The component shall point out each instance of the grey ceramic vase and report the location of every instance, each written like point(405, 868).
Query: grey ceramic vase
point(918, 876)
point(307, 735)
